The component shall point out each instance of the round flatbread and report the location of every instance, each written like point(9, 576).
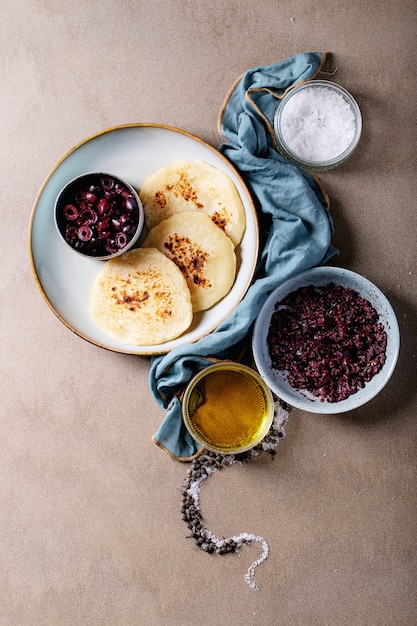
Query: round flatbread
point(194, 186)
point(141, 298)
point(203, 253)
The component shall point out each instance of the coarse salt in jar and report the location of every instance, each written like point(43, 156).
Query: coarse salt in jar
point(317, 125)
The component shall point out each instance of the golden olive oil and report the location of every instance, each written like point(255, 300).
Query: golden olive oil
point(228, 408)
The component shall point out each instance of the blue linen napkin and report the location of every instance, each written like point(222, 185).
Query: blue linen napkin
point(295, 225)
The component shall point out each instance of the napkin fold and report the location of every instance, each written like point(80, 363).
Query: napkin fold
point(295, 231)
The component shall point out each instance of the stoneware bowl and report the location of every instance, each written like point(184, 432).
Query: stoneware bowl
point(277, 380)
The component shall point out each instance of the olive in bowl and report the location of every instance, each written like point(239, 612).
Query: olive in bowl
point(99, 215)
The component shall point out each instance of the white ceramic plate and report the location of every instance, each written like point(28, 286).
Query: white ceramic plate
point(132, 152)
point(276, 380)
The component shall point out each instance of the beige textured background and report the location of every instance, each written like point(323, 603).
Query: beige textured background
point(90, 528)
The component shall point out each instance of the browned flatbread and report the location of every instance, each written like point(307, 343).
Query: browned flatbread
point(194, 186)
point(203, 253)
point(141, 298)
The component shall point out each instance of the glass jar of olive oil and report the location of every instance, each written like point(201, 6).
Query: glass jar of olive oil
point(228, 408)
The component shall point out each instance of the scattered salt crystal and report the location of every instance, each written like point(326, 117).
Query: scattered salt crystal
point(318, 124)
point(207, 539)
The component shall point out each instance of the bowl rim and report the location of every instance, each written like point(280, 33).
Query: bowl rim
point(276, 380)
point(241, 369)
point(141, 214)
point(286, 150)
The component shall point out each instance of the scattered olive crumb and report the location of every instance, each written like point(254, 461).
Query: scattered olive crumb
point(206, 464)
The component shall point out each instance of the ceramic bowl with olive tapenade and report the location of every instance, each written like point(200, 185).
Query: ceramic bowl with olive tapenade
point(326, 340)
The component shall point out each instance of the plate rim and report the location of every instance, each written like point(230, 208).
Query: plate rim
point(147, 350)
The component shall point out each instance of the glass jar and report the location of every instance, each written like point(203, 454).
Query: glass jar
point(228, 408)
point(317, 125)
